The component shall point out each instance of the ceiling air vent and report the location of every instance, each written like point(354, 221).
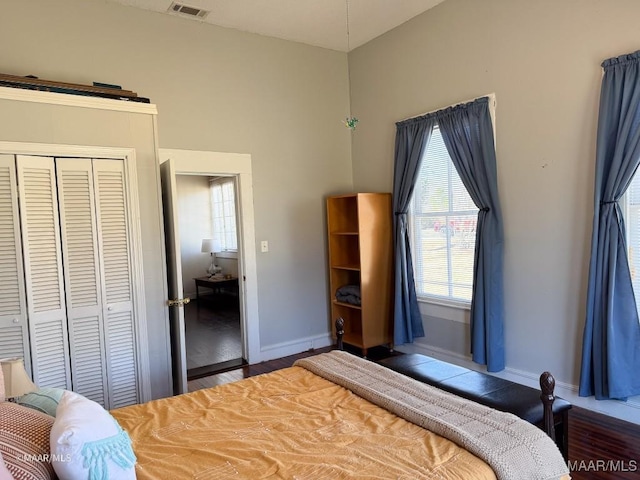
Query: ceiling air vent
point(187, 10)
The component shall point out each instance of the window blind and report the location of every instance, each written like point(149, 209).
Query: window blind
point(443, 226)
point(223, 204)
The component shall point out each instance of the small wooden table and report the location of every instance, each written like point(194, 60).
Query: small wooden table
point(215, 283)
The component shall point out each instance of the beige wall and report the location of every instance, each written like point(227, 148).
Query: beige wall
point(542, 59)
point(220, 90)
point(194, 219)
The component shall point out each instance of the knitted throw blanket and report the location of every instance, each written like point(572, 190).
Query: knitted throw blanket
point(515, 449)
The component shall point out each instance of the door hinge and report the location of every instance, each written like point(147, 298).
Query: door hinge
point(180, 302)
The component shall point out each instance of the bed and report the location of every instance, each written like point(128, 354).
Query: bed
point(333, 416)
point(330, 416)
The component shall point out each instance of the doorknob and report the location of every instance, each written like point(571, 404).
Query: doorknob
point(179, 302)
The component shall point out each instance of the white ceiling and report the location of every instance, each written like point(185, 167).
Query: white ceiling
point(322, 23)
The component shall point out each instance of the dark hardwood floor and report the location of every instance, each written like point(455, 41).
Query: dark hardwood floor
point(250, 370)
point(213, 338)
point(600, 447)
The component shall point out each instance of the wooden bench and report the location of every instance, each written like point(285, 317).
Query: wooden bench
point(494, 392)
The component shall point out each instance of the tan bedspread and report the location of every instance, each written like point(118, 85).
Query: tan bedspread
point(289, 424)
point(515, 449)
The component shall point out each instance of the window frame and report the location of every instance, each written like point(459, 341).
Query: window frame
point(439, 300)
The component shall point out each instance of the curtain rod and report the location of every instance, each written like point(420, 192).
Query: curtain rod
point(492, 104)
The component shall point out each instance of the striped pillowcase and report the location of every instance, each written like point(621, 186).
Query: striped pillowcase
point(24, 442)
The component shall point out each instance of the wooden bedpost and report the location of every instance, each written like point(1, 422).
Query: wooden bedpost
point(547, 384)
point(339, 332)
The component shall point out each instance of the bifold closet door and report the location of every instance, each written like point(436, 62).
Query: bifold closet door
point(99, 292)
point(82, 277)
point(14, 333)
point(77, 276)
point(117, 288)
point(43, 272)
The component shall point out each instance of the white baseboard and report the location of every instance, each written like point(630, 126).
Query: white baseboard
point(285, 349)
point(629, 410)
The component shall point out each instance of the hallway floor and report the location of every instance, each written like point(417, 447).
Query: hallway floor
point(212, 332)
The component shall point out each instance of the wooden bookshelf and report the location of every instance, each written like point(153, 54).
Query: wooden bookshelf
point(360, 253)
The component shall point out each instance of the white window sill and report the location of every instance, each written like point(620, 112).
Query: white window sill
point(446, 302)
point(227, 255)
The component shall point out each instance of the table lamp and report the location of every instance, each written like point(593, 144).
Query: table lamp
point(210, 246)
point(16, 380)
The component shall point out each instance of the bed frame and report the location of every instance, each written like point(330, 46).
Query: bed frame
point(539, 407)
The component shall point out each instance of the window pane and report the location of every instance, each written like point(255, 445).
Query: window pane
point(632, 221)
point(224, 214)
point(432, 179)
point(462, 254)
point(443, 227)
point(434, 271)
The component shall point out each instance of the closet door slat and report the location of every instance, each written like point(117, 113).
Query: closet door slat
point(14, 333)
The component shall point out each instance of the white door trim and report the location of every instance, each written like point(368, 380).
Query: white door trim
point(196, 162)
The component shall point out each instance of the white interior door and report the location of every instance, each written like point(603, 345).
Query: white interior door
point(174, 274)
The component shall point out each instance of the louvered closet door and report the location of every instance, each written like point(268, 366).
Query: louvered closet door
point(82, 278)
point(43, 272)
point(14, 334)
point(117, 291)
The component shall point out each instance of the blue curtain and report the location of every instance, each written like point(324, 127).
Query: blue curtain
point(611, 342)
point(412, 137)
point(468, 135)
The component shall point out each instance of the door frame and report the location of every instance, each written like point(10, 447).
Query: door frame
point(238, 165)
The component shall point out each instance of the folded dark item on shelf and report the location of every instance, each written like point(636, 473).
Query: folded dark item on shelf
point(98, 89)
point(349, 294)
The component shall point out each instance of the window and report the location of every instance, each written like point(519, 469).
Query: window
point(631, 207)
point(223, 207)
point(442, 220)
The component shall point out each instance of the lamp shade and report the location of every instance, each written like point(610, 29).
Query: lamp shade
point(16, 380)
point(210, 245)
point(207, 245)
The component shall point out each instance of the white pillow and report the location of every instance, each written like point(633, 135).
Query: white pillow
point(87, 442)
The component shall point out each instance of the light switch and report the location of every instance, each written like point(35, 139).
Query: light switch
point(264, 246)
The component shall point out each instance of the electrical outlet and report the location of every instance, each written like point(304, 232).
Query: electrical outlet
point(264, 246)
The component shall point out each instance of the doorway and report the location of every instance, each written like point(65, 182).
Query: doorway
point(179, 164)
point(209, 256)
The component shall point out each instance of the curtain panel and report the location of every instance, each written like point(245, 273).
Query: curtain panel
point(412, 137)
point(611, 341)
point(468, 135)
